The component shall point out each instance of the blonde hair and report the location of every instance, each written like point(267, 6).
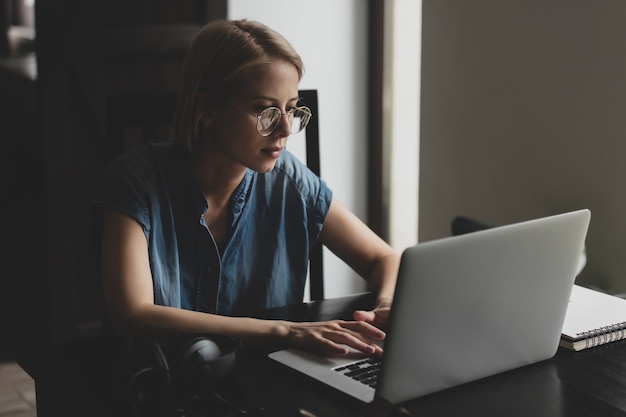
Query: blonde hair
point(221, 56)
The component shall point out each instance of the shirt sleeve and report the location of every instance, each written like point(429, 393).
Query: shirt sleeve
point(313, 190)
point(127, 186)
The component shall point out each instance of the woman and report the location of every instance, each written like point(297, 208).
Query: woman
point(200, 232)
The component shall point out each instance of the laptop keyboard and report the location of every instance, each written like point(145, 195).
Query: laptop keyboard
point(365, 371)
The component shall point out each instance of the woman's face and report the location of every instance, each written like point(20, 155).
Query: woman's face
point(234, 132)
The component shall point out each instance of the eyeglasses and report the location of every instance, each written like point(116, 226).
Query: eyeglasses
point(268, 120)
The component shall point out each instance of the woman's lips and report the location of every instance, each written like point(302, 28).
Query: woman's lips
point(273, 152)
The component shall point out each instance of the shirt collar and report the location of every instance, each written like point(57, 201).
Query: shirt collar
point(195, 194)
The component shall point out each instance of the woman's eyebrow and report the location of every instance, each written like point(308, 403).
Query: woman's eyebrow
point(272, 99)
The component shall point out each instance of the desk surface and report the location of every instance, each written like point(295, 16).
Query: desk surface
point(585, 383)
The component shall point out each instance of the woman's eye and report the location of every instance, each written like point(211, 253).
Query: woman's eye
point(259, 109)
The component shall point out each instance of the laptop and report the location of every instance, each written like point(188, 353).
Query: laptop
point(465, 307)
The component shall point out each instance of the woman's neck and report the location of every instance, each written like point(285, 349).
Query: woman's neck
point(218, 178)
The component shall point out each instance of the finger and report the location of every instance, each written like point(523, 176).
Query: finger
point(376, 318)
point(326, 337)
point(367, 316)
point(353, 336)
point(363, 328)
point(343, 342)
point(330, 347)
point(354, 342)
point(339, 336)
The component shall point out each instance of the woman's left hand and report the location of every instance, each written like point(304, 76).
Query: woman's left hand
point(378, 317)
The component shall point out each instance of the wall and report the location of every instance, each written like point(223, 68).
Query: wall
point(523, 115)
point(331, 37)
point(403, 30)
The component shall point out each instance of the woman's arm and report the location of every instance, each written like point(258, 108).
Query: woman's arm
point(128, 292)
point(371, 257)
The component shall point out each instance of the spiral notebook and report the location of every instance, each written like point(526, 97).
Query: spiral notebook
point(593, 318)
point(467, 307)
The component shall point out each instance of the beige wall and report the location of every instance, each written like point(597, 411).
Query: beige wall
point(524, 115)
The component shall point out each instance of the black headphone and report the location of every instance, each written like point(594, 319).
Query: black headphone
point(180, 376)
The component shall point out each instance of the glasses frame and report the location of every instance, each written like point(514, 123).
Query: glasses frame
point(265, 132)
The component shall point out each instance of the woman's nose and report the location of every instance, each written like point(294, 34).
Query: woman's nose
point(284, 125)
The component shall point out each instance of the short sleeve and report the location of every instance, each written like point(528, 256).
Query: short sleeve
point(127, 185)
point(313, 190)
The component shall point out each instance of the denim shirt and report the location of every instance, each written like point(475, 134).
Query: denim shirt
point(276, 219)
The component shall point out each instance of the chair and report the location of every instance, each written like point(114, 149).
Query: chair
point(133, 119)
point(316, 261)
point(461, 225)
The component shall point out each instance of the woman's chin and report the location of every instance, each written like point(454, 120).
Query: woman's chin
point(264, 168)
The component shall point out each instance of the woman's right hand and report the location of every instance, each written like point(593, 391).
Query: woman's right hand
point(336, 337)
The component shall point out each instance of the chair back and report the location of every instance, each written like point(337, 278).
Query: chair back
point(312, 137)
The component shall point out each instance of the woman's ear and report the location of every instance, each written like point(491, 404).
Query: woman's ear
point(206, 120)
point(204, 110)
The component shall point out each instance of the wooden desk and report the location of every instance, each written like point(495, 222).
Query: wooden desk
point(572, 384)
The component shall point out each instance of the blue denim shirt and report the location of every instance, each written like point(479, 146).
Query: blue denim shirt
point(276, 219)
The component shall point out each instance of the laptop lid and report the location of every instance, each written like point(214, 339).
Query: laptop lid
point(470, 306)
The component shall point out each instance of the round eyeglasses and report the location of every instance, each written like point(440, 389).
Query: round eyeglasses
point(268, 120)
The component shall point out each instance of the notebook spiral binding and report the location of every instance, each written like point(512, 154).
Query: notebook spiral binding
point(604, 335)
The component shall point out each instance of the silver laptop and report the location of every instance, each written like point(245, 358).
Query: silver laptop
point(466, 307)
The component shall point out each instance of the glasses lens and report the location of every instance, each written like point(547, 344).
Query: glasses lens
point(268, 120)
point(301, 117)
